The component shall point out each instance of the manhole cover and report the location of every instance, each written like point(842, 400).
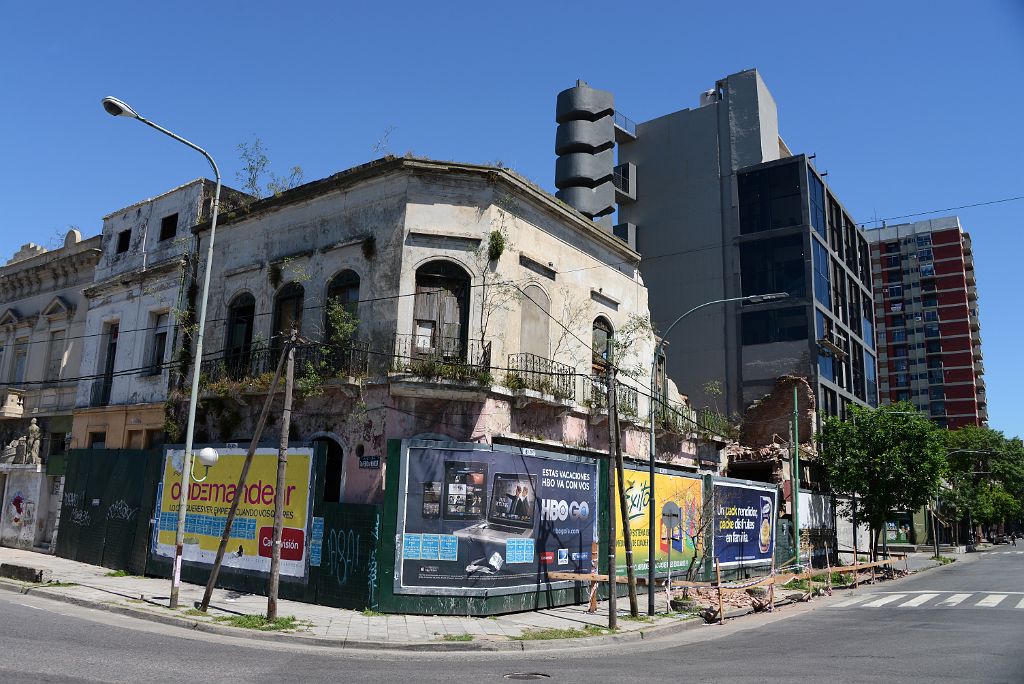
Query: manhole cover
point(527, 675)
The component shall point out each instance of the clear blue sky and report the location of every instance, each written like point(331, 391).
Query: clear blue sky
point(910, 106)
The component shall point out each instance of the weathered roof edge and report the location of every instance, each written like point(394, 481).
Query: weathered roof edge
point(390, 164)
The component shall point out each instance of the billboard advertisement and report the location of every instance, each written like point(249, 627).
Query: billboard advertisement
point(250, 543)
point(744, 523)
point(477, 522)
point(677, 520)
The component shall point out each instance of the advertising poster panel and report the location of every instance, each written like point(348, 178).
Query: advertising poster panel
point(677, 520)
point(250, 542)
point(481, 522)
point(744, 523)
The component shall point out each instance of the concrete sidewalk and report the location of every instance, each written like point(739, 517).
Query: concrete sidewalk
point(146, 597)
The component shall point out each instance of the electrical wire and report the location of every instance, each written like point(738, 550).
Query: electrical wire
point(939, 211)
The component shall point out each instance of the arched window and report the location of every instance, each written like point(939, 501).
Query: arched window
point(238, 341)
point(534, 321)
point(601, 344)
point(344, 290)
point(441, 310)
point(287, 313)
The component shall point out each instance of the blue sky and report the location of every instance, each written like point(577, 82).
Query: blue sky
point(910, 106)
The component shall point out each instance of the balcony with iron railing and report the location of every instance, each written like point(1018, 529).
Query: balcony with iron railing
point(99, 393)
point(255, 367)
point(625, 128)
point(432, 357)
point(625, 396)
point(674, 417)
point(532, 372)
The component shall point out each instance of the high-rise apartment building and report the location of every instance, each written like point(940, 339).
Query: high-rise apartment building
point(720, 208)
point(926, 305)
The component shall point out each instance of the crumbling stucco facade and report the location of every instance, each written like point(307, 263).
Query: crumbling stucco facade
point(479, 298)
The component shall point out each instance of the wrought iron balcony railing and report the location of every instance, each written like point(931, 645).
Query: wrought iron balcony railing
point(99, 393)
point(625, 395)
point(260, 362)
point(529, 371)
point(446, 358)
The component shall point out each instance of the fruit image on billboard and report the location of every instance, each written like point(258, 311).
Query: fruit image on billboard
point(249, 545)
point(679, 501)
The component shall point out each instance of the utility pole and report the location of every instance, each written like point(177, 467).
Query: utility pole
point(612, 575)
point(627, 533)
point(257, 433)
point(796, 473)
point(282, 466)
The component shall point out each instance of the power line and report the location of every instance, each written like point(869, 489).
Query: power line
point(939, 211)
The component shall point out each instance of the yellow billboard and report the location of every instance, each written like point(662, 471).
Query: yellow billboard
point(678, 501)
point(250, 543)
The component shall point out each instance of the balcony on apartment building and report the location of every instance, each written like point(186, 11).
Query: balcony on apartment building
point(252, 369)
point(597, 397)
point(431, 366)
point(534, 377)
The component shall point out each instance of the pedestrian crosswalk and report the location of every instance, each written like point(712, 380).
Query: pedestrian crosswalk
point(934, 599)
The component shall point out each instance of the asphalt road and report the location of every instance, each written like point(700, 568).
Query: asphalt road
point(958, 623)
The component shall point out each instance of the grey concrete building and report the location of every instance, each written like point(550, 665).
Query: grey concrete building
point(719, 207)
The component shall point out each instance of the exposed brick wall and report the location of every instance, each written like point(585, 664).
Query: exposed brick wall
point(770, 416)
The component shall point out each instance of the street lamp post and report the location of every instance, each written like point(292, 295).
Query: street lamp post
point(116, 107)
point(753, 299)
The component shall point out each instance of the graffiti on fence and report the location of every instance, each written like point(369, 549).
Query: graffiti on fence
point(120, 510)
point(371, 574)
point(80, 517)
point(343, 554)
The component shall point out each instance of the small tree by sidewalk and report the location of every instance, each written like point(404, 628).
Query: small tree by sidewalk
point(891, 458)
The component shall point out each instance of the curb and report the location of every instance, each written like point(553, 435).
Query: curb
point(510, 645)
point(312, 640)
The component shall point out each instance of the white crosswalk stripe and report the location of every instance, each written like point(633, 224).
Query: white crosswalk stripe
point(990, 601)
point(954, 600)
point(918, 600)
point(882, 601)
point(852, 601)
point(934, 599)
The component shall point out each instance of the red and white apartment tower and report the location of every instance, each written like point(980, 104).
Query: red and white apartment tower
point(926, 312)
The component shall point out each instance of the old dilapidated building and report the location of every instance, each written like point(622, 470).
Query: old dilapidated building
point(430, 299)
point(136, 309)
point(42, 331)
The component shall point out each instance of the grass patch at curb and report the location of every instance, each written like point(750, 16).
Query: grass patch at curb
point(638, 618)
point(59, 584)
point(548, 633)
point(260, 622)
point(457, 637)
point(944, 560)
point(195, 612)
point(119, 573)
point(371, 613)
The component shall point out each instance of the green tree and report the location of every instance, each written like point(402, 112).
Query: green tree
point(892, 458)
point(985, 476)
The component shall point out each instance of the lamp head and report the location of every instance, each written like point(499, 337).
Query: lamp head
point(208, 456)
point(757, 299)
point(116, 107)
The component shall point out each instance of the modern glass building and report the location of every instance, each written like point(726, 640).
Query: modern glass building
point(722, 208)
